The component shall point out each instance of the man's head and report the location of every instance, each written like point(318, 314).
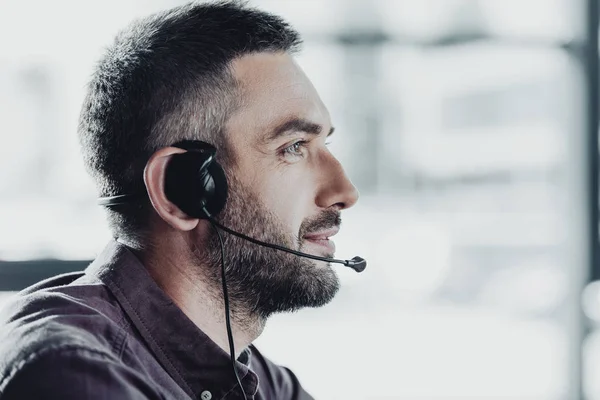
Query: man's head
point(223, 73)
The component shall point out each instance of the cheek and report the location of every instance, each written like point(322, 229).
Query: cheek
point(290, 200)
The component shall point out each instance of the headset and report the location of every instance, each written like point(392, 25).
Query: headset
point(196, 183)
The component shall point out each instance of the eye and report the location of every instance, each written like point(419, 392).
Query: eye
point(295, 149)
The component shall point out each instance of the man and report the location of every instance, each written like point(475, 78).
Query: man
point(146, 320)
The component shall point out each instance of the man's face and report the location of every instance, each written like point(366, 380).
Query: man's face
point(285, 188)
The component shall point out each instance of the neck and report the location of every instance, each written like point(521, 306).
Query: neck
point(199, 298)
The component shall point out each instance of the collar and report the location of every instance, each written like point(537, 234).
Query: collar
point(192, 359)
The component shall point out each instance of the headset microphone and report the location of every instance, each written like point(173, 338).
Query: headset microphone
point(356, 263)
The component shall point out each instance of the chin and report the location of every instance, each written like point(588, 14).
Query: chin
point(319, 288)
point(312, 286)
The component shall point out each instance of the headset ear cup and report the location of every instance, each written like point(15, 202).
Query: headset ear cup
point(192, 185)
point(217, 190)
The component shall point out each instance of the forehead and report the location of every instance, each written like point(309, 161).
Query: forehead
point(274, 89)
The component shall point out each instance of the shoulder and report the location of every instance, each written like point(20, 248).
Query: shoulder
point(66, 323)
point(73, 372)
point(276, 381)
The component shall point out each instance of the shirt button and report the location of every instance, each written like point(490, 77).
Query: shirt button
point(206, 395)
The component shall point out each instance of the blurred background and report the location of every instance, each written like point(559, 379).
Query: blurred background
point(470, 129)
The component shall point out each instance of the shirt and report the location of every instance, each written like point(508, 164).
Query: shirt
point(110, 332)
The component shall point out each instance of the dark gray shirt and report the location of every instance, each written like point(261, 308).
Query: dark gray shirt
point(111, 333)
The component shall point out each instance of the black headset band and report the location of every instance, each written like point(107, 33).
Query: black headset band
point(195, 145)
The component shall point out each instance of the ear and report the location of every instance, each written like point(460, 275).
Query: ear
point(154, 179)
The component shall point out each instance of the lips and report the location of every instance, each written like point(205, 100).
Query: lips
point(321, 239)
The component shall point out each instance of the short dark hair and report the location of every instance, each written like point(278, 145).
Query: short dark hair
point(166, 78)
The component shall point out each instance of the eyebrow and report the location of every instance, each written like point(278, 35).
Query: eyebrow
point(296, 125)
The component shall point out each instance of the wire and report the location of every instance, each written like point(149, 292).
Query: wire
point(227, 319)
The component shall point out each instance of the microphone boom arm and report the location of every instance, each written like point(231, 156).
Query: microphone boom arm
point(356, 263)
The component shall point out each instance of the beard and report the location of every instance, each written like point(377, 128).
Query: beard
point(262, 281)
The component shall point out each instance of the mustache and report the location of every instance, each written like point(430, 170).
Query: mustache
point(326, 220)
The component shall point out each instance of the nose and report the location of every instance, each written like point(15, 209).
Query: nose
point(336, 189)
